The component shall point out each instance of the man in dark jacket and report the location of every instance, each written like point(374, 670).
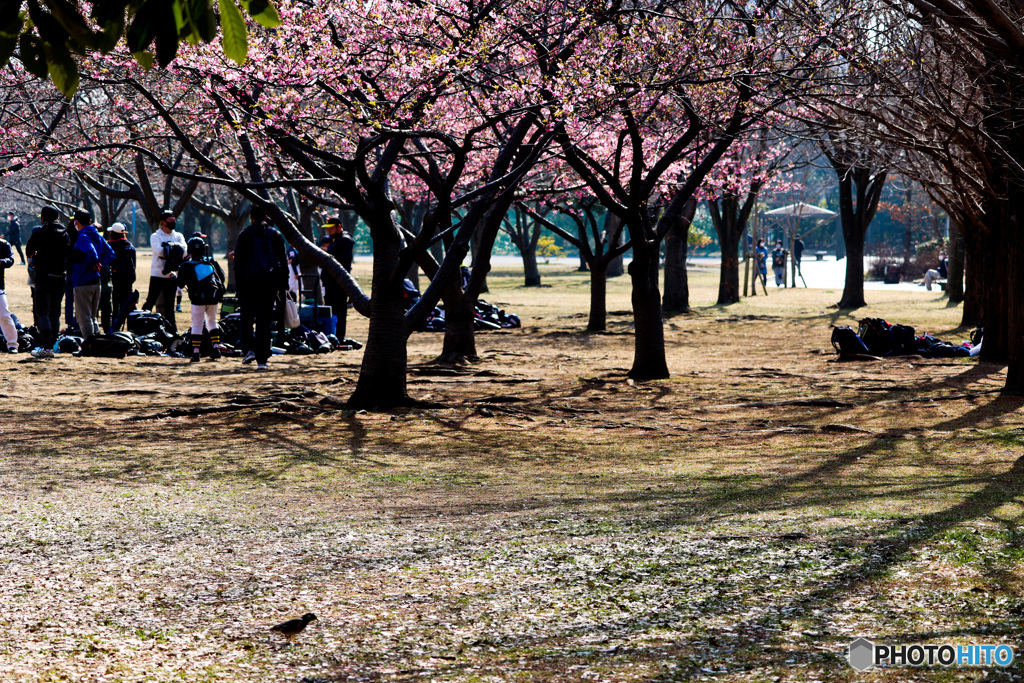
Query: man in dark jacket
point(14, 234)
point(340, 245)
point(122, 269)
point(7, 327)
point(48, 248)
point(91, 252)
point(261, 275)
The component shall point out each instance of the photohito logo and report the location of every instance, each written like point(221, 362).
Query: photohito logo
point(865, 654)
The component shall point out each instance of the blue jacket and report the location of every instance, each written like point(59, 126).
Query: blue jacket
point(89, 250)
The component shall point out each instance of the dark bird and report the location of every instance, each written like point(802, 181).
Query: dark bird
point(294, 627)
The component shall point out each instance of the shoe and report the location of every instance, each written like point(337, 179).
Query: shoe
point(215, 354)
point(12, 349)
point(40, 352)
point(195, 358)
point(261, 366)
point(249, 357)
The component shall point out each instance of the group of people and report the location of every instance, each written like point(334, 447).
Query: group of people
point(73, 262)
point(778, 255)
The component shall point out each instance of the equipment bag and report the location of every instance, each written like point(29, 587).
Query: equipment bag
point(107, 346)
point(846, 342)
point(877, 336)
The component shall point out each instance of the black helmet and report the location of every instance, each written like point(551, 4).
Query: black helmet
point(197, 245)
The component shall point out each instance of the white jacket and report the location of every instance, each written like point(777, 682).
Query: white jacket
point(157, 241)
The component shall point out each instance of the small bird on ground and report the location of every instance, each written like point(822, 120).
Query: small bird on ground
point(294, 627)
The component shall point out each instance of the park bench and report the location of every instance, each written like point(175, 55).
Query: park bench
point(820, 255)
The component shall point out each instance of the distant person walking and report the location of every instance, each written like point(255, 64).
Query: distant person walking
point(779, 264)
point(168, 252)
point(48, 248)
point(341, 247)
point(122, 269)
point(90, 254)
point(7, 327)
point(261, 274)
point(761, 258)
point(14, 234)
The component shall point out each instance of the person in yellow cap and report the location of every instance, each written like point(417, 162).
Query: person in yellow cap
point(340, 245)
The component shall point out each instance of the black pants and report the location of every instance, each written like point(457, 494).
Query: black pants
point(46, 310)
point(168, 286)
point(338, 301)
point(257, 310)
point(17, 245)
point(121, 290)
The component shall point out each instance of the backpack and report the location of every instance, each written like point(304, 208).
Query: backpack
point(116, 345)
point(846, 342)
point(877, 336)
point(209, 280)
point(174, 256)
point(903, 339)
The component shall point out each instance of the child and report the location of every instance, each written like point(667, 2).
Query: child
point(204, 280)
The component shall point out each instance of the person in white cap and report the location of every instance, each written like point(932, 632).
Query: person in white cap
point(122, 270)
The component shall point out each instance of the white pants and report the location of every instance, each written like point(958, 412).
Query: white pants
point(10, 332)
point(930, 277)
point(200, 314)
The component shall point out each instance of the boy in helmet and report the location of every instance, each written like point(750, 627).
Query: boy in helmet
point(203, 278)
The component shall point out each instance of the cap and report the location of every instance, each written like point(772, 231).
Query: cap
point(331, 222)
point(164, 215)
point(117, 227)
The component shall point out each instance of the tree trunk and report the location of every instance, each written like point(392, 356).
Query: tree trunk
point(233, 228)
point(955, 279)
point(598, 298)
point(974, 281)
point(1014, 257)
point(382, 376)
point(611, 224)
point(649, 360)
point(530, 270)
point(853, 291)
point(676, 298)
point(995, 294)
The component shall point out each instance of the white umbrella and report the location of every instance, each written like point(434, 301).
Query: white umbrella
point(800, 209)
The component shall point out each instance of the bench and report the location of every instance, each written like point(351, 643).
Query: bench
point(820, 255)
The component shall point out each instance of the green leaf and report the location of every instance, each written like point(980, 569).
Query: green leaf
point(144, 59)
point(63, 69)
point(263, 12)
point(166, 43)
point(235, 41)
point(32, 57)
point(144, 26)
point(10, 31)
point(204, 18)
point(73, 22)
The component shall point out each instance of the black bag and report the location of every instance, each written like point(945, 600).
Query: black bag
point(107, 346)
point(846, 342)
point(877, 336)
point(903, 340)
point(174, 256)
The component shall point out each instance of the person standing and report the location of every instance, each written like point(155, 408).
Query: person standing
point(48, 247)
point(204, 280)
point(261, 273)
point(14, 234)
point(168, 251)
point(122, 269)
point(761, 257)
point(340, 246)
point(798, 251)
point(779, 264)
point(90, 254)
point(7, 327)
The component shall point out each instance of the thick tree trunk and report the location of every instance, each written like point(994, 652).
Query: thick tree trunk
point(729, 277)
point(955, 279)
point(995, 294)
point(611, 223)
point(1015, 301)
point(598, 321)
point(530, 269)
point(459, 336)
point(382, 376)
point(853, 291)
point(974, 281)
point(649, 360)
point(676, 298)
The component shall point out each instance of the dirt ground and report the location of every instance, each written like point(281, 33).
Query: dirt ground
point(744, 520)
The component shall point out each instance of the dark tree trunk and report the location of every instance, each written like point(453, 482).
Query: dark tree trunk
point(676, 298)
point(955, 279)
point(729, 219)
point(615, 268)
point(382, 376)
point(233, 227)
point(853, 291)
point(649, 360)
point(974, 283)
point(995, 294)
point(530, 270)
point(598, 321)
point(1015, 301)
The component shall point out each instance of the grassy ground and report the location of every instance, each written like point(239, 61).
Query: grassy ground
point(744, 520)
